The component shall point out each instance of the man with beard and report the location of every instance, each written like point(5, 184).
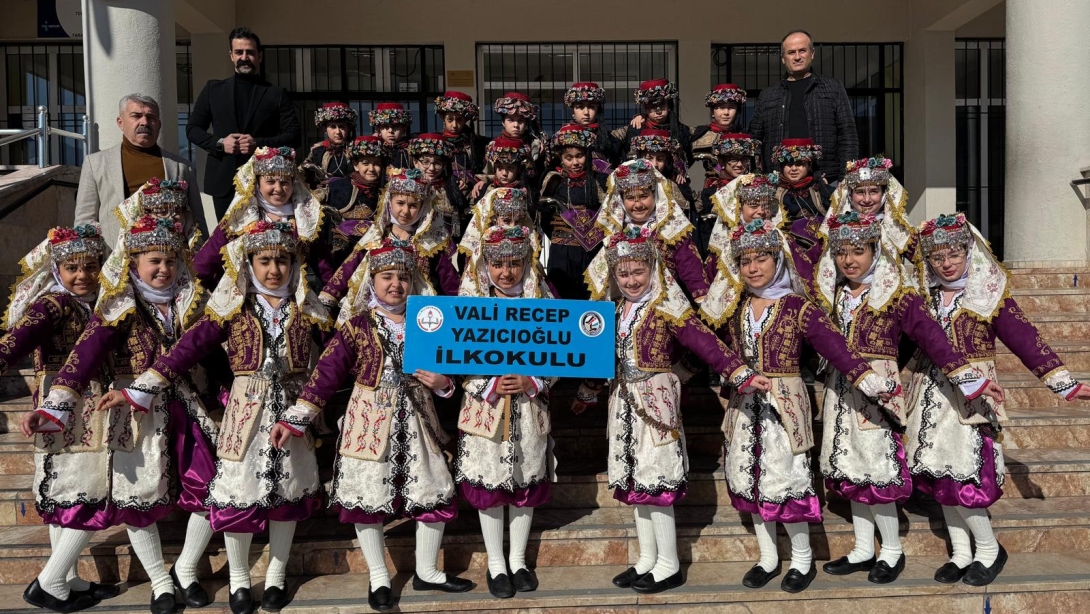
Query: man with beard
point(244, 112)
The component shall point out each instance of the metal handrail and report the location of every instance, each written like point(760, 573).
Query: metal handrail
point(42, 133)
point(1084, 181)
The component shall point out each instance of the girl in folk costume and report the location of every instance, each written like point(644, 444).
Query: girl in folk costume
point(459, 114)
point(647, 456)
point(661, 150)
point(390, 121)
point(149, 298)
point(953, 444)
point(264, 312)
point(505, 453)
point(431, 155)
point(724, 101)
point(511, 161)
point(507, 207)
point(802, 195)
point(267, 188)
point(587, 103)
point(862, 287)
point(658, 100)
point(390, 461)
point(737, 154)
point(49, 307)
point(159, 198)
point(570, 197)
point(329, 158)
point(519, 120)
point(749, 197)
point(355, 199)
point(766, 319)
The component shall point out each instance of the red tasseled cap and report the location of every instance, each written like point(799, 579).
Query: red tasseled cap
point(334, 105)
point(585, 84)
point(807, 142)
point(458, 95)
point(390, 106)
point(517, 96)
point(722, 87)
point(646, 85)
point(430, 136)
point(735, 135)
point(369, 138)
point(506, 141)
point(655, 132)
point(571, 128)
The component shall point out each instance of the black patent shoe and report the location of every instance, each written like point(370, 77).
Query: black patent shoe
point(242, 601)
point(100, 592)
point(950, 573)
point(758, 577)
point(451, 585)
point(979, 575)
point(193, 595)
point(500, 586)
point(274, 599)
point(796, 582)
point(37, 596)
point(843, 567)
point(380, 600)
point(627, 577)
point(163, 604)
point(882, 573)
point(647, 584)
point(525, 580)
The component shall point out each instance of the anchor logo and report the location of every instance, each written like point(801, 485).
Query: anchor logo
point(429, 319)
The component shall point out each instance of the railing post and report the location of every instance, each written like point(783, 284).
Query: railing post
point(86, 136)
point(43, 137)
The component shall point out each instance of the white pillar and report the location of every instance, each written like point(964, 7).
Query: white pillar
point(1048, 132)
point(131, 49)
point(930, 173)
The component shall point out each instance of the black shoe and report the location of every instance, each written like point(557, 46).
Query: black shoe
point(627, 577)
point(242, 602)
point(101, 592)
point(796, 582)
point(884, 574)
point(647, 584)
point(525, 580)
point(758, 577)
point(843, 567)
point(380, 600)
point(274, 599)
point(500, 586)
point(36, 596)
point(452, 585)
point(979, 575)
point(193, 595)
point(950, 573)
point(163, 604)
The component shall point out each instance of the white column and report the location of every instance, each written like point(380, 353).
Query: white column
point(131, 49)
point(930, 174)
point(1048, 132)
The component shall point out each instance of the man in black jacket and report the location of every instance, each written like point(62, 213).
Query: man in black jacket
point(806, 105)
point(245, 112)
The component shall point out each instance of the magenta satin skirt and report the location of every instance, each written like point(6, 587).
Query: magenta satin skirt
point(255, 519)
point(83, 517)
point(806, 509)
point(444, 514)
point(194, 459)
point(950, 492)
point(874, 495)
point(666, 498)
point(480, 498)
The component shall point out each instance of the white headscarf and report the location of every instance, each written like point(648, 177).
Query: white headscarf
point(284, 291)
point(515, 291)
point(59, 287)
point(410, 227)
point(152, 295)
point(781, 282)
point(867, 278)
point(375, 301)
point(285, 210)
point(935, 280)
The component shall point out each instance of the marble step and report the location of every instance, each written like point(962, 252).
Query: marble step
point(1046, 278)
point(1059, 327)
point(1074, 354)
point(1053, 300)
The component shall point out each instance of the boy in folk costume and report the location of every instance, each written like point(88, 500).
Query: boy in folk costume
point(724, 101)
point(648, 461)
point(862, 287)
point(504, 451)
point(737, 154)
point(329, 158)
point(511, 161)
point(766, 319)
point(355, 198)
point(149, 298)
point(658, 100)
point(459, 114)
point(265, 314)
point(662, 151)
point(391, 121)
point(587, 103)
point(50, 305)
point(803, 196)
point(953, 444)
point(519, 121)
point(432, 156)
point(390, 460)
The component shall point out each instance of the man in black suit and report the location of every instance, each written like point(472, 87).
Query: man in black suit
point(245, 112)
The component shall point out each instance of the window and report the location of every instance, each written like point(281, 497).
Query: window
point(544, 71)
point(980, 93)
point(872, 75)
point(360, 77)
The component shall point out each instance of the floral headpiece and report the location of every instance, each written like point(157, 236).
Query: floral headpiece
point(944, 232)
point(796, 150)
point(725, 92)
point(585, 91)
point(507, 244)
point(515, 103)
point(511, 202)
point(573, 135)
point(406, 181)
point(758, 236)
point(389, 114)
point(506, 150)
point(164, 198)
point(758, 189)
point(655, 90)
point(274, 162)
point(854, 230)
point(457, 102)
point(633, 244)
point(155, 234)
point(265, 235)
point(367, 146)
point(334, 112)
point(430, 144)
point(77, 243)
point(736, 144)
point(634, 174)
point(392, 255)
point(654, 141)
point(868, 171)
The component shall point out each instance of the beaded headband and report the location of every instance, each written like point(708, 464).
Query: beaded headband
point(506, 244)
point(852, 229)
point(757, 189)
point(277, 236)
point(457, 102)
point(154, 234)
point(868, 171)
point(634, 174)
point(77, 243)
point(656, 90)
point(584, 92)
point(274, 162)
point(389, 114)
point(505, 150)
point(511, 202)
point(944, 232)
point(164, 198)
point(367, 146)
point(726, 92)
point(634, 244)
point(655, 141)
point(758, 236)
point(573, 136)
point(430, 144)
point(736, 144)
point(796, 150)
point(406, 181)
point(392, 255)
point(515, 103)
point(334, 112)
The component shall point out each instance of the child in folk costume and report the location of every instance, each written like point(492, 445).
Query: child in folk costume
point(504, 452)
point(391, 122)
point(159, 198)
point(49, 307)
point(724, 101)
point(329, 158)
point(511, 161)
point(737, 154)
point(265, 313)
point(519, 120)
point(587, 103)
point(355, 198)
point(953, 444)
point(390, 461)
point(749, 197)
point(658, 100)
point(648, 461)
point(767, 436)
point(662, 151)
point(432, 156)
point(459, 114)
point(507, 207)
point(863, 288)
point(803, 195)
point(149, 298)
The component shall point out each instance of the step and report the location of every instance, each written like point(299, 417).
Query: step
point(1062, 327)
point(1054, 300)
point(1044, 278)
point(1025, 390)
point(1074, 354)
point(17, 382)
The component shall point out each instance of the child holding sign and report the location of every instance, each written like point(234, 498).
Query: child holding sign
point(654, 319)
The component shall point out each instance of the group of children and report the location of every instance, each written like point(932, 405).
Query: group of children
point(127, 343)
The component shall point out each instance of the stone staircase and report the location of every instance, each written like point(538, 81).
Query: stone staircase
point(584, 537)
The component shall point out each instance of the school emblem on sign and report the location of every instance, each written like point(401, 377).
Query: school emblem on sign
point(429, 319)
point(592, 324)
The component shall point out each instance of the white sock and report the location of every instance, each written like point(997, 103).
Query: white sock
point(645, 537)
point(520, 520)
point(149, 549)
point(197, 535)
point(885, 516)
point(75, 582)
point(987, 548)
point(492, 532)
point(68, 545)
point(281, 533)
point(666, 564)
point(962, 554)
point(429, 537)
point(802, 557)
point(238, 558)
point(863, 523)
point(766, 541)
point(374, 552)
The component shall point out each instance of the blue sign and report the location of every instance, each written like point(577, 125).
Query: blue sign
point(459, 335)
